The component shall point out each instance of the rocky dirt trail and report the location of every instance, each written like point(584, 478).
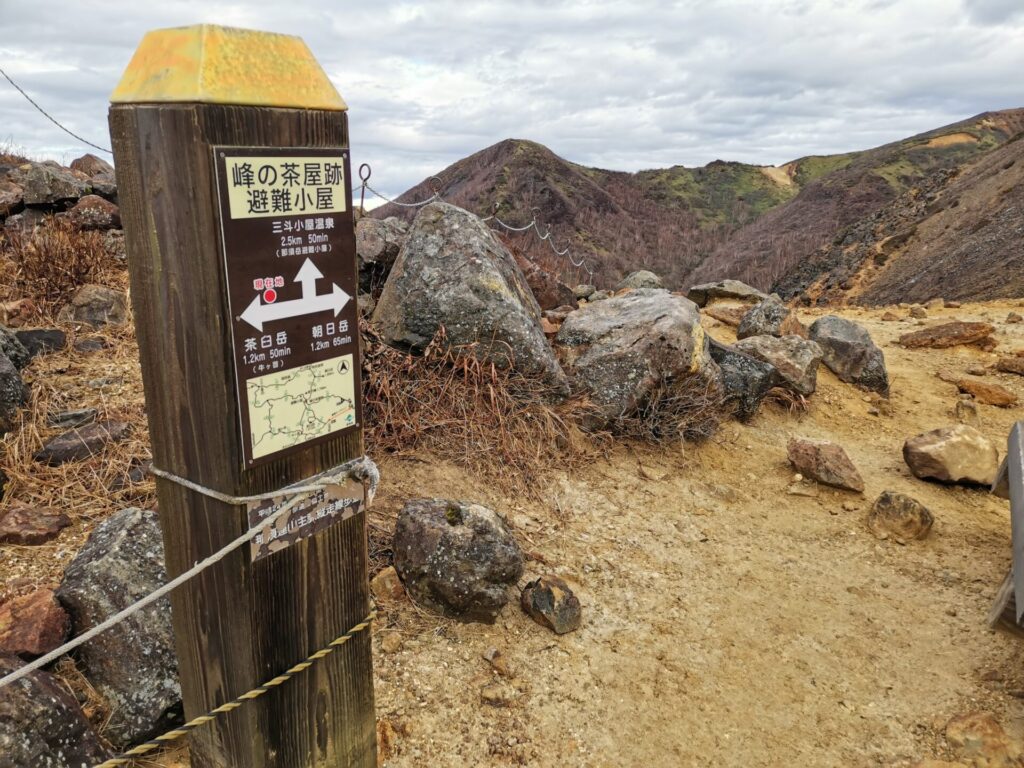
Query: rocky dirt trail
point(732, 617)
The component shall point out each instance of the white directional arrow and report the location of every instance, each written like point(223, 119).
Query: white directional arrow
point(258, 313)
point(308, 275)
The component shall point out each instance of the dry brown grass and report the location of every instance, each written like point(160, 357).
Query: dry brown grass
point(690, 409)
point(497, 422)
point(48, 264)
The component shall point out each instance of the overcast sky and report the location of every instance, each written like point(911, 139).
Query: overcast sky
point(623, 85)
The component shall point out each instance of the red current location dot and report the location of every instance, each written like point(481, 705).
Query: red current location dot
point(270, 295)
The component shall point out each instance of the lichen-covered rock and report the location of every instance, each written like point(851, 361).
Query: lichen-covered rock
point(453, 273)
point(97, 305)
point(705, 293)
point(825, 462)
point(770, 318)
point(551, 603)
point(456, 557)
point(47, 183)
point(133, 665)
point(13, 349)
point(13, 394)
point(92, 212)
point(628, 349)
point(900, 517)
point(745, 379)
point(42, 726)
point(795, 359)
point(378, 242)
point(849, 352)
point(642, 278)
point(584, 291)
point(958, 454)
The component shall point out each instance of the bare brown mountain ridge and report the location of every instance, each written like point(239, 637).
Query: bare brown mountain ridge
point(761, 224)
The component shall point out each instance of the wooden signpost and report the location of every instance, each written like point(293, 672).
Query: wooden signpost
point(231, 150)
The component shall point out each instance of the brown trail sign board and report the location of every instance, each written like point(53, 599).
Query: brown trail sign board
point(291, 285)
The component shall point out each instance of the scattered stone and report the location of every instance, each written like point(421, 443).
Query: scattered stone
point(850, 506)
point(453, 273)
point(132, 665)
point(72, 419)
point(79, 444)
point(42, 725)
point(12, 348)
point(979, 738)
point(918, 312)
point(825, 462)
point(802, 489)
point(1013, 318)
point(498, 662)
point(92, 212)
point(391, 642)
point(705, 293)
point(1013, 364)
point(91, 165)
point(386, 585)
point(138, 471)
point(953, 305)
point(47, 183)
point(32, 624)
point(97, 305)
point(730, 314)
point(746, 380)
point(378, 242)
point(548, 290)
point(93, 344)
point(935, 304)
point(4, 479)
point(795, 359)
point(598, 296)
point(639, 279)
point(29, 526)
point(551, 603)
point(631, 348)
point(770, 318)
point(455, 557)
point(949, 335)
point(498, 694)
point(890, 317)
point(977, 370)
point(899, 516)
point(39, 341)
point(583, 291)
point(989, 394)
point(966, 411)
point(850, 353)
point(13, 394)
point(958, 454)
point(558, 314)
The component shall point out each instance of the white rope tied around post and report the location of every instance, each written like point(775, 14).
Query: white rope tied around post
point(362, 468)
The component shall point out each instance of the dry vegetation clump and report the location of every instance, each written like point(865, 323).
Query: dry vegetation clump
point(498, 422)
point(48, 264)
point(688, 410)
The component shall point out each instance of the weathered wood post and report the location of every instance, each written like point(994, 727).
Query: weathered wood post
point(232, 160)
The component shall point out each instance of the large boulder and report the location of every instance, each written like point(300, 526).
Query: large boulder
point(958, 454)
point(132, 665)
point(639, 279)
point(456, 557)
point(706, 293)
point(48, 184)
point(13, 394)
point(92, 212)
point(42, 725)
point(630, 349)
point(378, 242)
point(770, 318)
point(745, 379)
point(850, 354)
point(97, 305)
point(548, 290)
point(453, 273)
point(795, 359)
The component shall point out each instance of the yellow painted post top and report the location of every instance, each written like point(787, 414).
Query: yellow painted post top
point(209, 64)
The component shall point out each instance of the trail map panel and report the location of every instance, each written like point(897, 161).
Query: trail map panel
point(289, 257)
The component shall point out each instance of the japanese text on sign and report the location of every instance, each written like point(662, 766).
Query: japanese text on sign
point(284, 186)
